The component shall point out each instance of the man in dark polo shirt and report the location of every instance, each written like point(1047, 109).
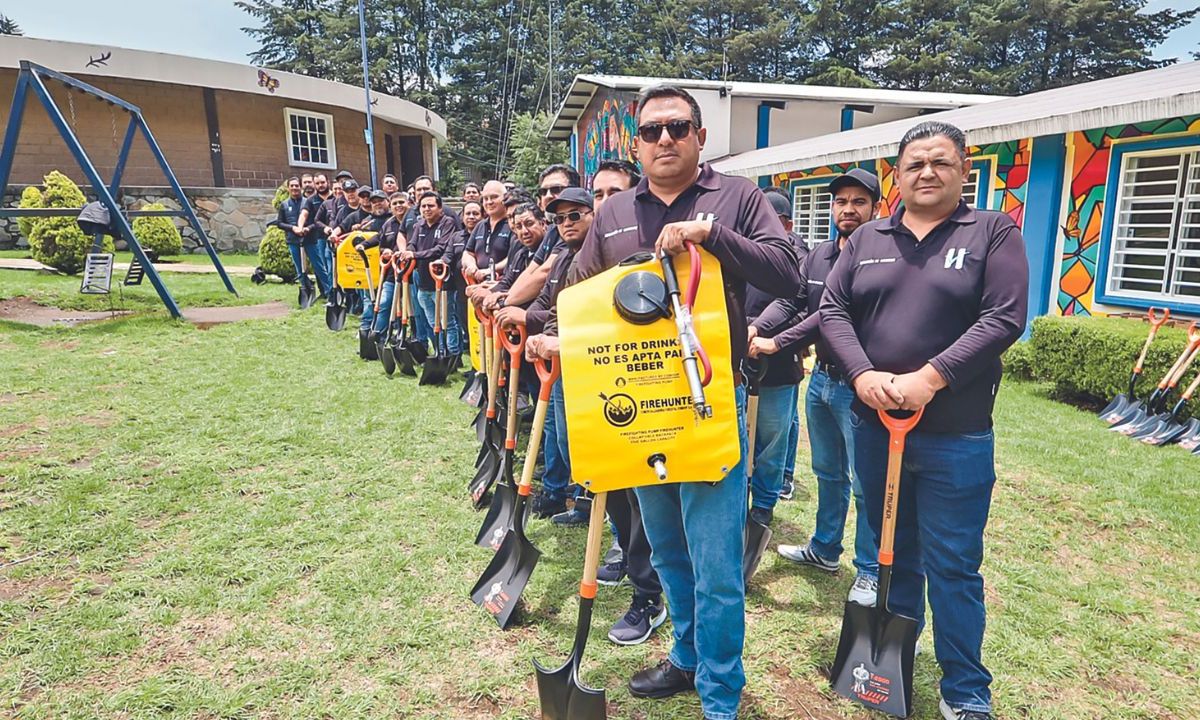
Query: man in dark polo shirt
point(486, 251)
point(695, 529)
point(290, 219)
point(917, 311)
point(427, 243)
point(795, 322)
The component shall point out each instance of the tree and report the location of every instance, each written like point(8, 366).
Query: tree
point(531, 150)
point(8, 26)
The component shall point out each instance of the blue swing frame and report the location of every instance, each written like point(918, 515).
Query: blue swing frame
point(32, 78)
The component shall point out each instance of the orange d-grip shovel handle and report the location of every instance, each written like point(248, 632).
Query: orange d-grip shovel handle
point(547, 373)
point(1155, 324)
point(898, 429)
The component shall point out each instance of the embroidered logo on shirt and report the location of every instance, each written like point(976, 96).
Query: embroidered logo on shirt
point(955, 258)
point(618, 231)
point(876, 261)
point(815, 282)
point(705, 217)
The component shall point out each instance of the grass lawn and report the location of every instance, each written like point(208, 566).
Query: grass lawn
point(124, 256)
point(248, 521)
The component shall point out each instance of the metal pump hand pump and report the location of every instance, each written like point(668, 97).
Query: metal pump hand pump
point(689, 343)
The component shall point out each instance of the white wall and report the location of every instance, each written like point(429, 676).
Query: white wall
point(714, 110)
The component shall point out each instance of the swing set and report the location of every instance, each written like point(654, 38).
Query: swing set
point(97, 275)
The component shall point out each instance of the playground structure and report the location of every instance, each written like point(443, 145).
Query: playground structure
point(32, 79)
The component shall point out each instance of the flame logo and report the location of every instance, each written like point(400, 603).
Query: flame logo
point(619, 410)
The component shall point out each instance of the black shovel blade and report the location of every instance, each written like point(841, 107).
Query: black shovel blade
point(1122, 415)
point(366, 346)
point(405, 360)
point(874, 661)
point(335, 312)
point(480, 424)
point(482, 482)
point(307, 296)
point(758, 536)
point(474, 390)
point(384, 351)
point(1164, 432)
point(561, 694)
point(418, 350)
point(499, 518)
point(1133, 424)
point(1114, 408)
point(433, 372)
point(499, 588)
point(1190, 439)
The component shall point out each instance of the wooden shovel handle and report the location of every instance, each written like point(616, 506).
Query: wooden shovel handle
point(514, 373)
point(591, 558)
point(1191, 389)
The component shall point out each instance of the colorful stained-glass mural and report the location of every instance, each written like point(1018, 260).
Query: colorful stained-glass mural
point(1008, 163)
point(606, 130)
point(784, 180)
point(1087, 165)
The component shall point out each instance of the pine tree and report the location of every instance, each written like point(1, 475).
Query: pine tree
point(8, 26)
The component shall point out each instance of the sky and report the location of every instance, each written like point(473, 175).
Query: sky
point(212, 28)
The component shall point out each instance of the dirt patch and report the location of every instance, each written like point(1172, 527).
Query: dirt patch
point(204, 318)
point(22, 453)
point(805, 702)
point(102, 419)
point(24, 310)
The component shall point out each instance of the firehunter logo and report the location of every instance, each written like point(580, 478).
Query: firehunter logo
point(955, 258)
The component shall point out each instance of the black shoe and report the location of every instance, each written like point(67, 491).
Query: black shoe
point(762, 516)
point(545, 506)
point(788, 491)
point(661, 681)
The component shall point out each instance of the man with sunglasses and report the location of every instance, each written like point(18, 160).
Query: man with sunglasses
point(696, 529)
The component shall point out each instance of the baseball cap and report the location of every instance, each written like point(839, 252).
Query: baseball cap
point(364, 189)
point(342, 174)
point(378, 195)
point(349, 185)
point(780, 203)
point(576, 195)
point(859, 177)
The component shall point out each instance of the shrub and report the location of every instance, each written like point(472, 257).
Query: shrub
point(274, 257)
point(157, 235)
point(59, 243)
point(62, 192)
point(1090, 359)
point(1018, 361)
point(281, 194)
point(31, 197)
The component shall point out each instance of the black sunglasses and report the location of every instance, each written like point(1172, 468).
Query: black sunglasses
point(551, 190)
point(677, 129)
point(573, 216)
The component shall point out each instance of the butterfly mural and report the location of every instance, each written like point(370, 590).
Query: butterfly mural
point(265, 80)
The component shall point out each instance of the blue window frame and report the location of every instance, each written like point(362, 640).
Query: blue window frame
point(1149, 251)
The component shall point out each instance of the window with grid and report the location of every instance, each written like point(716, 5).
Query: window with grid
point(970, 190)
point(310, 139)
point(1155, 247)
point(811, 213)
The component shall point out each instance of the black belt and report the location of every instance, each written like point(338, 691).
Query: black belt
point(829, 369)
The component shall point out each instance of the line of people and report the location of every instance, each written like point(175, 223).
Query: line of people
point(906, 312)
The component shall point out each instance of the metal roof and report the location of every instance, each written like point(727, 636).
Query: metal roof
point(1173, 91)
point(84, 60)
point(583, 87)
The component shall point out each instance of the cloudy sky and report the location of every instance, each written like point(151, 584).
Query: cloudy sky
point(212, 28)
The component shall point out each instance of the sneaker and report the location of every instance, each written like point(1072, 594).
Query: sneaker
point(949, 713)
point(639, 623)
point(611, 574)
point(804, 555)
point(570, 518)
point(762, 516)
point(614, 554)
point(545, 506)
point(863, 591)
point(788, 491)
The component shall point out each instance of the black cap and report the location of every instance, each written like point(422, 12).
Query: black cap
point(576, 195)
point(860, 177)
point(349, 185)
point(364, 189)
point(343, 174)
point(780, 203)
point(378, 195)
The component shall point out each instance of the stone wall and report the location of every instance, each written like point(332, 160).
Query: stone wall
point(233, 218)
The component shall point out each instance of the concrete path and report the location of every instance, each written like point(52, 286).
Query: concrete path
point(233, 270)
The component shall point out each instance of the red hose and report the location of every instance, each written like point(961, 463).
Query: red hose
point(689, 299)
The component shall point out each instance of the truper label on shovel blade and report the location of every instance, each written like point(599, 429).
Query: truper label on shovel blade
point(871, 688)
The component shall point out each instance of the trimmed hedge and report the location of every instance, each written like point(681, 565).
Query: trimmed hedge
point(158, 235)
point(58, 241)
point(274, 256)
point(31, 197)
point(1090, 359)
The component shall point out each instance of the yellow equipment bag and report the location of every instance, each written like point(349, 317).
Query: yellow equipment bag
point(475, 337)
point(351, 273)
point(626, 397)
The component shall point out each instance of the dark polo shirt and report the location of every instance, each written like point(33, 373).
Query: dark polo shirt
point(775, 321)
point(956, 299)
point(386, 238)
point(784, 367)
point(746, 237)
point(551, 244)
point(489, 244)
point(538, 313)
point(289, 216)
point(428, 243)
point(519, 258)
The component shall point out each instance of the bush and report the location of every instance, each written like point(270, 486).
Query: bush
point(1018, 361)
point(274, 256)
point(281, 194)
point(59, 243)
point(1090, 359)
point(157, 235)
point(31, 197)
point(62, 192)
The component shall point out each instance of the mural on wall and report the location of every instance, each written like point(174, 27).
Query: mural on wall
point(1008, 183)
point(1088, 156)
point(784, 180)
point(606, 131)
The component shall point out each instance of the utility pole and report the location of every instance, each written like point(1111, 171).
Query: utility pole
point(362, 38)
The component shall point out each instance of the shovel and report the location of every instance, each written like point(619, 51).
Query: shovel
point(561, 694)
point(437, 367)
point(1153, 409)
point(404, 346)
point(508, 573)
point(486, 375)
point(874, 661)
point(493, 437)
point(385, 340)
point(336, 306)
point(366, 346)
point(1121, 402)
point(757, 535)
point(504, 499)
point(308, 294)
point(1169, 427)
point(473, 390)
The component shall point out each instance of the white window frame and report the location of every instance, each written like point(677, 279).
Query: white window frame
point(976, 174)
point(819, 227)
point(288, 114)
point(1184, 209)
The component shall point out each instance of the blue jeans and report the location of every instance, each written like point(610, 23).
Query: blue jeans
point(381, 319)
point(556, 481)
point(696, 532)
point(315, 259)
point(827, 410)
point(945, 495)
point(776, 410)
point(453, 330)
point(789, 467)
point(368, 310)
point(423, 309)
